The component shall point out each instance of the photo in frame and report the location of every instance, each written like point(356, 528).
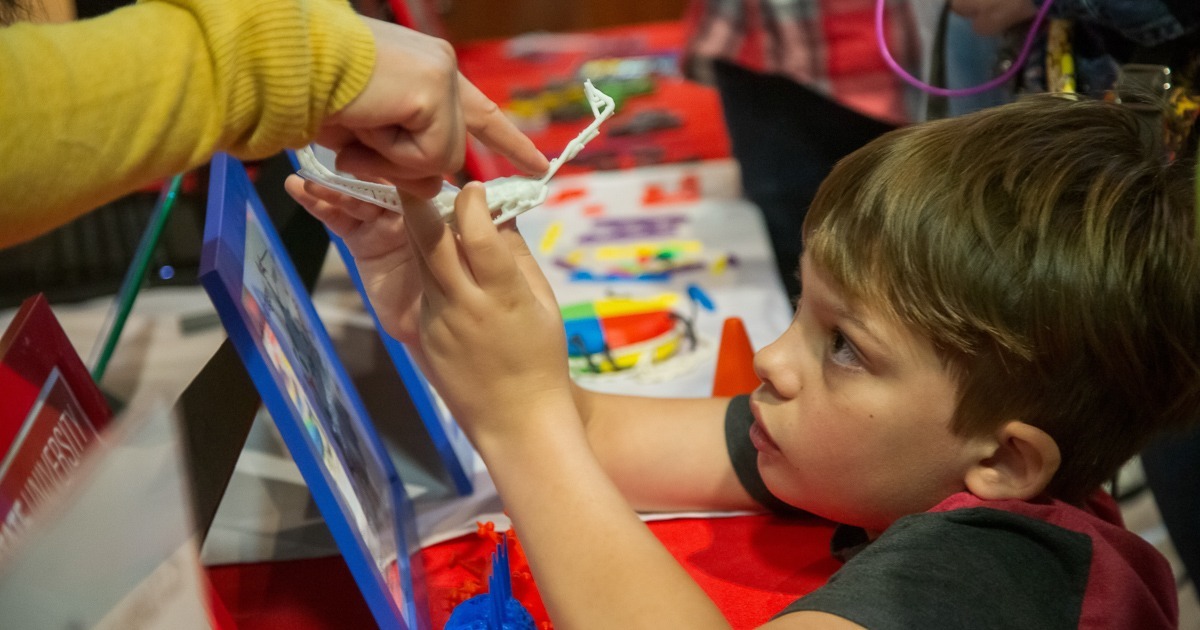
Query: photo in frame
point(271, 320)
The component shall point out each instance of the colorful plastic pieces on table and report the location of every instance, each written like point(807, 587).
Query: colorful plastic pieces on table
point(641, 261)
point(617, 333)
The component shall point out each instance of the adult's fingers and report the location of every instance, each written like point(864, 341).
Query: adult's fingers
point(428, 147)
point(366, 163)
point(485, 121)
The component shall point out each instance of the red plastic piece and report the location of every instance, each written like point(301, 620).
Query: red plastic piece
point(624, 330)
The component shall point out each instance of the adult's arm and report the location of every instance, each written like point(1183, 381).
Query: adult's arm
point(97, 108)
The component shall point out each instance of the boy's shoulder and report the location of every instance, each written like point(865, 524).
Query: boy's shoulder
point(1044, 564)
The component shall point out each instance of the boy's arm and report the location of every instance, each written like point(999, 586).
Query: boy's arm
point(663, 454)
point(492, 343)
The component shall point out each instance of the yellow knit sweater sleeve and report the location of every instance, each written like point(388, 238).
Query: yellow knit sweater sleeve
point(94, 109)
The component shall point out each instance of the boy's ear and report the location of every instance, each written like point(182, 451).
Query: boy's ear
point(1022, 461)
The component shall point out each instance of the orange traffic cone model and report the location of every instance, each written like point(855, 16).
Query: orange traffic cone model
point(735, 361)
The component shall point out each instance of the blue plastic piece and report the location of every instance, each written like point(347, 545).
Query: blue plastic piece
point(589, 332)
point(496, 609)
point(700, 297)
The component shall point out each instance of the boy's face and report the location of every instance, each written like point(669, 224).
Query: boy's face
point(853, 416)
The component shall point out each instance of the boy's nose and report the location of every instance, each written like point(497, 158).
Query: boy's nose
point(777, 370)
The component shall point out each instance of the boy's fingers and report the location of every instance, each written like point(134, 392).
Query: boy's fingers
point(436, 244)
point(330, 214)
point(357, 208)
point(431, 290)
point(487, 254)
point(525, 262)
point(423, 187)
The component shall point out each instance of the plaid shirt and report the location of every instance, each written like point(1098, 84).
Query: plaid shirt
point(827, 45)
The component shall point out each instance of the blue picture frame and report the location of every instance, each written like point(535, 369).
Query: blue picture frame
point(271, 320)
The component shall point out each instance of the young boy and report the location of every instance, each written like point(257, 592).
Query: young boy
point(997, 311)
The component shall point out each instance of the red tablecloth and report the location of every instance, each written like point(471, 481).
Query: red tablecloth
point(751, 566)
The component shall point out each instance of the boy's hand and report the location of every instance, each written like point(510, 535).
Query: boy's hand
point(379, 244)
point(490, 329)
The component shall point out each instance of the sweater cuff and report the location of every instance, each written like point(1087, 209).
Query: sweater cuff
point(281, 67)
point(344, 53)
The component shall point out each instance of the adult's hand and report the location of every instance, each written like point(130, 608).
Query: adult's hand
point(992, 17)
point(409, 124)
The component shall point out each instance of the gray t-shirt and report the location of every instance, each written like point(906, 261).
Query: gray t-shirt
point(969, 563)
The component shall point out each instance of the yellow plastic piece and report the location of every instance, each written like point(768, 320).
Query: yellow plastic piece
point(617, 306)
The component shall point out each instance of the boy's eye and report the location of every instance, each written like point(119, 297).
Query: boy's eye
point(842, 352)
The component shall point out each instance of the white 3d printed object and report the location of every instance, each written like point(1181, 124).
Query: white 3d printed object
point(506, 196)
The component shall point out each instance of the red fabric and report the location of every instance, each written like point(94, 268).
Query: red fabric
point(702, 136)
point(751, 566)
point(291, 595)
point(218, 615)
point(827, 45)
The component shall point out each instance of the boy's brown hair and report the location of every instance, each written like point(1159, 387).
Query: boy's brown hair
point(1048, 249)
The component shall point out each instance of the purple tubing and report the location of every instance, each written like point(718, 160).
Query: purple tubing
point(881, 40)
